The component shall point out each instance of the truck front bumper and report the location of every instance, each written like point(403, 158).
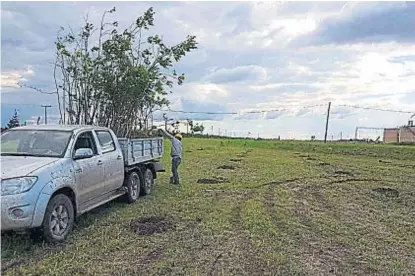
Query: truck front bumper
point(16, 212)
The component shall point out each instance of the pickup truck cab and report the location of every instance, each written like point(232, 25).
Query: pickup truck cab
point(50, 174)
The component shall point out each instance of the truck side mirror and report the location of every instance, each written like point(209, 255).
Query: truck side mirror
point(83, 153)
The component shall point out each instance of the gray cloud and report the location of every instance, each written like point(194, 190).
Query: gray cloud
point(294, 8)
point(409, 98)
point(381, 23)
point(340, 113)
point(273, 115)
point(239, 16)
point(246, 73)
point(402, 59)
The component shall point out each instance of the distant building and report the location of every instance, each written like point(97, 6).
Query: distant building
point(400, 135)
point(391, 135)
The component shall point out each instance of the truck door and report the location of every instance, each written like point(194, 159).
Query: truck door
point(112, 159)
point(89, 173)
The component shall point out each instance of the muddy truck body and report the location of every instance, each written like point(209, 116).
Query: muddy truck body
point(51, 174)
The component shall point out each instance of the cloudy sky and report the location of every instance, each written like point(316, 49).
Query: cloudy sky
point(251, 56)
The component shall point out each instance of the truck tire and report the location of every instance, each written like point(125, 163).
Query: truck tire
point(58, 220)
point(148, 182)
point(133, 183)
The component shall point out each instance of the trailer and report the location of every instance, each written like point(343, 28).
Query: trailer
point(141, 150)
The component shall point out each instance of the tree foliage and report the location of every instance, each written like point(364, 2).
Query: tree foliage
point(121, 79)
point(14, 121)
point(198, 128)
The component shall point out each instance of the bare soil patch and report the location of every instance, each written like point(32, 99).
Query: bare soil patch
point(342, 172)
point(397, 165)
point(148, 226)
point(338, 181)
point(216, 180)
point(226, 167)
point(387, 192)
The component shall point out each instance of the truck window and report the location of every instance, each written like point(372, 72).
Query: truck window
point(86, 140)
point(106, 141)
point(47, 143)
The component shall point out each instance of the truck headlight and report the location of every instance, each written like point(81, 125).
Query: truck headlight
point(14, 186)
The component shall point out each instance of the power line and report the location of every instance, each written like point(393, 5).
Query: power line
point(200, 112)
point(377, 109)
point(256, 111)
point(236, 113)
point(35, 88)
point(23, 104)
point(285, 109)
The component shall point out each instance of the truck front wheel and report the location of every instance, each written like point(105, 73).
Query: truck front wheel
point(59, 219)
point(133, 187)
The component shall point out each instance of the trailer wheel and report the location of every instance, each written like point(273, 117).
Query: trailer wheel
point(148, 182)
point(133, 184)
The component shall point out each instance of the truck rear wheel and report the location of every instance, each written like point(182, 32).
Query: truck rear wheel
point(59, 219)
point(133, 184)
point(148, 182)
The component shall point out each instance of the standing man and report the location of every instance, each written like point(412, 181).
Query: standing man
point(176, 154)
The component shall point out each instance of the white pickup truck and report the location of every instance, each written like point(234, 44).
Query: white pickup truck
point(50, 174)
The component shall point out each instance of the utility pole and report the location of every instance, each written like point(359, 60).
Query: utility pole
point(152, 117)
point(327, 123)
point(187, 126)
point(226, 132)
point(46, 113)
point(341, 135)
point(64, 106)
point(165, 121)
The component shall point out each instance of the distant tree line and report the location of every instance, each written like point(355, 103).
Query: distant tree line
point(194, 128)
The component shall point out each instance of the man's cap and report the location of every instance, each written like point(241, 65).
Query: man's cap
point(178, 136)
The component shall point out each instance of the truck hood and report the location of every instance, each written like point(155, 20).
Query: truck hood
point(15, 166)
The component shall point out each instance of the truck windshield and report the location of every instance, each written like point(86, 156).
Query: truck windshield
point(42, 143)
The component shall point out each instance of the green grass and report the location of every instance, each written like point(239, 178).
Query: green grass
point(290, 208)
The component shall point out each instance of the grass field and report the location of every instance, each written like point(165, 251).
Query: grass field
point(279, 208)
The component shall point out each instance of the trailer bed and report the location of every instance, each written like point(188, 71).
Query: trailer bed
point(141, 150)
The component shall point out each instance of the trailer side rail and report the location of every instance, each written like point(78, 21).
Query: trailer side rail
point(141, 150)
